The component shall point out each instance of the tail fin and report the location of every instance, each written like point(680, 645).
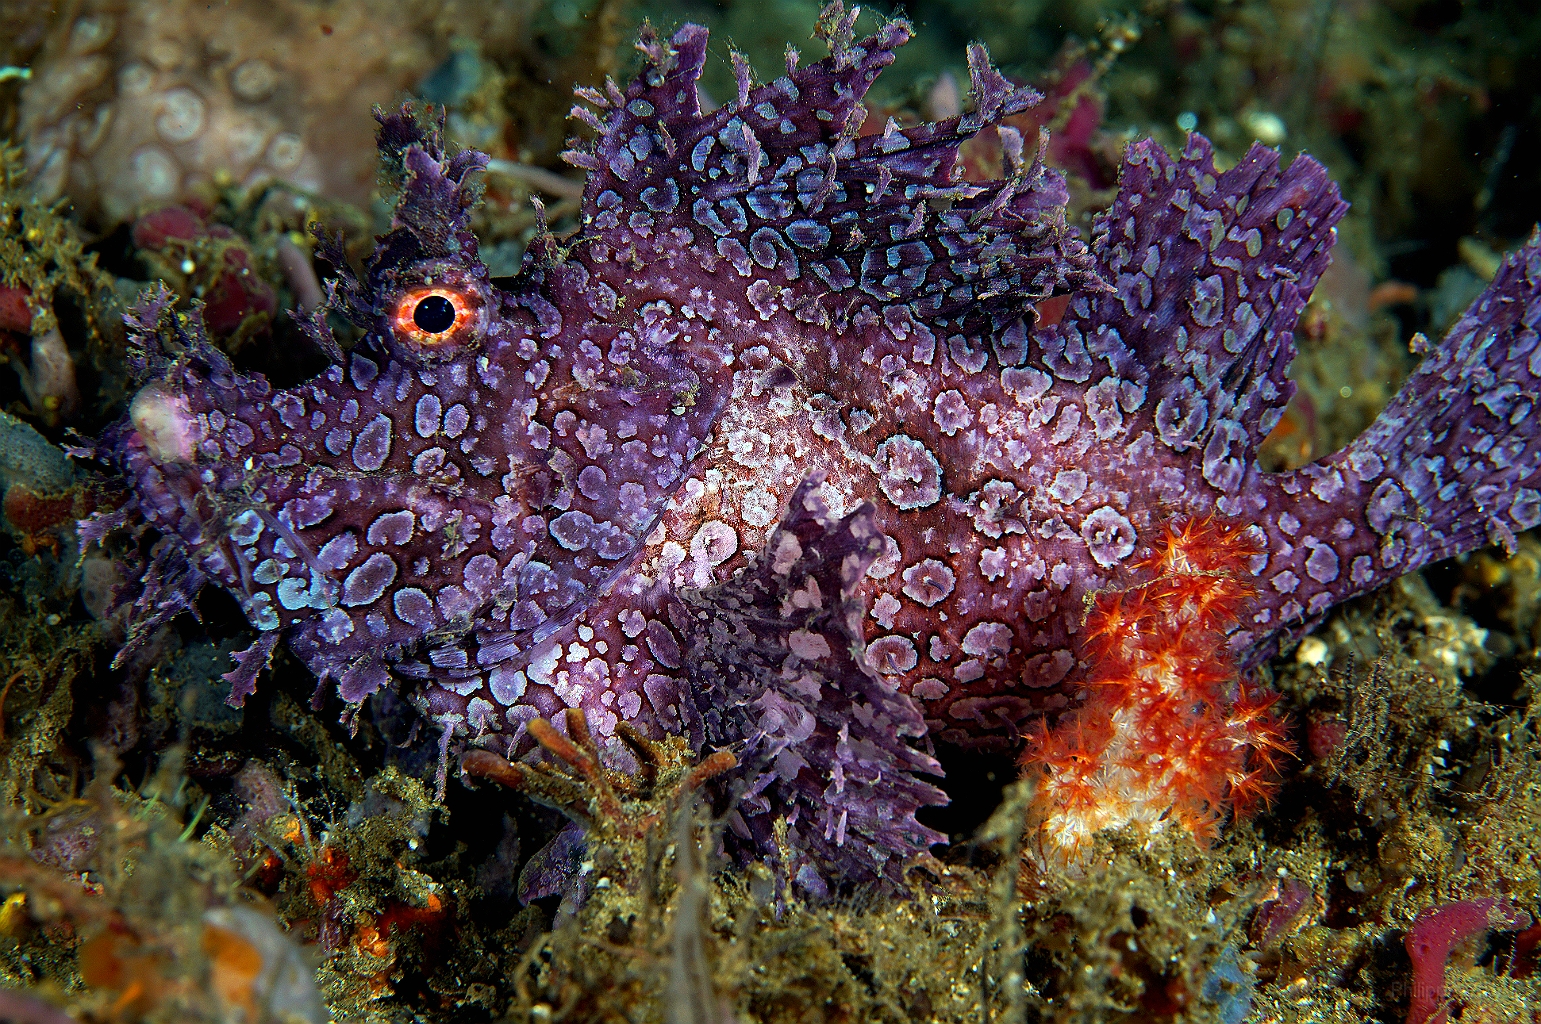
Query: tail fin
point(1453, 463)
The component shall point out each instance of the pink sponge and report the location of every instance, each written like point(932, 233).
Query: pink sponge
point(1436, 932)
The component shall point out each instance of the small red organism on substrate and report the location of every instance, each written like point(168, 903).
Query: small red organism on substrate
point(41, 520)
point(1435, 934)
point(169, 225)
point(327, 876)
point(15, 314)
point(1171, 732)
point(1326, 734)
point(1289, 904)
point(231, 290)
point(1526, 946)
point(373, 936)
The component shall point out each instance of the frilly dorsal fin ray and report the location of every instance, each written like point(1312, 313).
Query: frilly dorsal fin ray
point(249, 664)
point(783, 178)
point(404, 129)
point(313, 324)
point(1210, 272)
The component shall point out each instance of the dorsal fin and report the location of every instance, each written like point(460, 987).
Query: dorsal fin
point(1210, 272)
point(782, 177)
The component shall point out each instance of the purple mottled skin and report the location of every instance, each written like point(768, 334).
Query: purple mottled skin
point(775, 452)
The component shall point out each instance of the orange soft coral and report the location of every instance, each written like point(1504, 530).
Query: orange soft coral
point(1169, 732)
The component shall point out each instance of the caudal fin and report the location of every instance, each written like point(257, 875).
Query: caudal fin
point(1453, 463)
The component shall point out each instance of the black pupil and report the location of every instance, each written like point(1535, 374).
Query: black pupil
point(435, 314)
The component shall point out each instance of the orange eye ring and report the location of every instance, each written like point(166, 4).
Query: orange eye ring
point(433, 317)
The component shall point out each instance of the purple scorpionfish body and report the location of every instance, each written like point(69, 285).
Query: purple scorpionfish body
point(775, 450)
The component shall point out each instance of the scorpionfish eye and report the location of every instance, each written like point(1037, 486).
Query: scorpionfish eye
point(437, 318)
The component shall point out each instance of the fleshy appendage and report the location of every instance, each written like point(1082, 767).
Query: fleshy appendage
point(778, 674)
point(816, 752)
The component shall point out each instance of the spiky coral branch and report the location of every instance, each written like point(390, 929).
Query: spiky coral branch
point(1171, 733)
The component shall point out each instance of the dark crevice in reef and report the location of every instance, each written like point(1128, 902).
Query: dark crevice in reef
point(974, 782)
